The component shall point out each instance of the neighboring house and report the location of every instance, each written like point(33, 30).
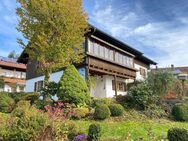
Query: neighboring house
point(109, 61)
point(176, 71)
point(13, 74)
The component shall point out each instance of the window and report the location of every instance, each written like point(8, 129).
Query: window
point(91, 47)
point(38, 86)
point(111, 54)
point(106, 53)
point(143, 72)
point(101, 51)
point(120, 59)
point(131, 62)
point(116, 57)
point(121, 86)
point(96, 49)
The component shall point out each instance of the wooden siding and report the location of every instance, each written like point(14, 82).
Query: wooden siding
point(141, 63)
point(32, 70)
point(13, 80)
point(106, 67)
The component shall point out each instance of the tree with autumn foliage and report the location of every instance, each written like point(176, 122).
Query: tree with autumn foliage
point(55, 32)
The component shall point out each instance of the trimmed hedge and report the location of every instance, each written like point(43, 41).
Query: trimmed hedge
point(102, 112)
point(116, 110)
point(177, 134)
point(180, 112)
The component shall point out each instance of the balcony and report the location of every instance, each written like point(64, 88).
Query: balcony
point(12, 74)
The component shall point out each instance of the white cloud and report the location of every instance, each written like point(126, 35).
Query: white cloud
point(157, 36)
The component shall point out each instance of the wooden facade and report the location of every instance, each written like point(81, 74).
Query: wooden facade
point(100, 66)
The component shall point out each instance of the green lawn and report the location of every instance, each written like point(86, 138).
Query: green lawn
point(112, 130)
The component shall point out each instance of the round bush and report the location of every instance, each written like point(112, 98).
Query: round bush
point(116, 110)
point(94, 132)
point(102, 112)
point(180, 112)
point(6, 103)
point(99, 101)
point(80, 113)
point(177, 134)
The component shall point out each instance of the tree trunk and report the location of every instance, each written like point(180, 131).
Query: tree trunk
point(46, 83)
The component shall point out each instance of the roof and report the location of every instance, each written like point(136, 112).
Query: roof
point(11, 63)
point(175, 70)
point(108, 38)
point(146, 60)
point(97, 32)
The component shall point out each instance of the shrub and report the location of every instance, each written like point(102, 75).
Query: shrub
point(154, 111)
point(59, 111)
point(50, 90)
point(116, 110)
point(160, 82)
point(31, 96)
point(40, 104)
point(100, 101)
point(73, 88)
point(94, 132)
point(72, 131)
point(142, 95)
point(180, 112)
point(126, 101)
point(6, 103)
point(102, 112)
point(177, 134)
point(26, 123)
point(79, 113)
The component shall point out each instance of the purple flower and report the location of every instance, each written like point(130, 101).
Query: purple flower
point(80, 137)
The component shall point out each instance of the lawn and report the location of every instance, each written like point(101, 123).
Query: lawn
point(116, 130)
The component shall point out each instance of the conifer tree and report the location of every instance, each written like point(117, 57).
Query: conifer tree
point(73, 88)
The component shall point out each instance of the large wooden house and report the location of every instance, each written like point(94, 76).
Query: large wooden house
point(109, 61)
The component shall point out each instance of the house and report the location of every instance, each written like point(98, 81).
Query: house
point(110, 62)
point(174, 70)
point(13, 74)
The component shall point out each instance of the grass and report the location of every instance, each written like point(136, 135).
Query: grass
point(116, 130)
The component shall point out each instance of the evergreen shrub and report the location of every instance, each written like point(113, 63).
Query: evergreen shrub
point(102, 112)
point(73, 88)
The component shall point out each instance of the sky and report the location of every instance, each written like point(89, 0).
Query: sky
point(158, 28)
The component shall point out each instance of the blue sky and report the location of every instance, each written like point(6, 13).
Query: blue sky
point(158, 28)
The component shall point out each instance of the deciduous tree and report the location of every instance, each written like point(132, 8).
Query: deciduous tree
point(54, 30)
